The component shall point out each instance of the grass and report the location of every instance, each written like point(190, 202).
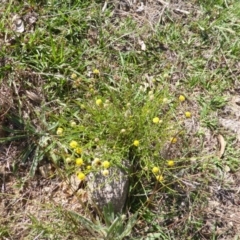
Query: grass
point(80, 74)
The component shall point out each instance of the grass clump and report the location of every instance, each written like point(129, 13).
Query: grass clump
point(125, 123)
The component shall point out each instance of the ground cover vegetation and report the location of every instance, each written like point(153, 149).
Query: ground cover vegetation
point(90, 85)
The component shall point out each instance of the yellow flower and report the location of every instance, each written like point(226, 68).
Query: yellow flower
point(73, 144)
point(59, 131)
point(82, 106)
point(79, 161)
point(165, 75)
point(96, 72)
point(105, 172)
point(188, 114)
point(73, 123)
point(123, 130)
point(106, 164)
point(68, 160)
point(170, 163)
point(89, 167)
point(173, 140)
point(81, 176)
point(155, 170)
point(159, 178)
point(96, 162)
point(165, 100)
point(136, 143)
point(99, 102)
point(73, 76)
point(128, 105)
point(78, 150)
point(181, 98)
point(156, 120)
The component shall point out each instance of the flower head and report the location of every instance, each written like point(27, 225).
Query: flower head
point(73, 124)
point(96, 162)
point(123, 130)
point(96, 72)
point(165, 100)
point(99, 102)
point(136, 143)
point(73, 76)
point(155, 170)
point(173, 140)
point(73, 144)
point(181, 98)
point(159, 178)
point(156, 120)
point(79, 161)
point(106, 164)
point(78, 150)
point(68, 160)
point(59, 131)
point(105, 172)
point(82, 106)
point(170, 163)
point(188, 114)
point(81, 176)
point(89, 167)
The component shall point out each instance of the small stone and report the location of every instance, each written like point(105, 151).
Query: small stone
point(112, 189)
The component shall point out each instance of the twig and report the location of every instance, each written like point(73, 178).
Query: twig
point(181, 11)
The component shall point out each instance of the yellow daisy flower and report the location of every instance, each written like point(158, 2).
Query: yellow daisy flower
point(188, 114)
point(173, 140)
point(105, 172)
point(159, 178)
point(96, 71)
point(181, 98)
point(155, 170)
point(106, 164)
point(136, 143)
point(78, 150)
point(73, 76)
point(81, 176)
point(79, 161)
point(156, 120)
point(59, 131)
point(170, 163)
point(99, 102)
point(73, 144)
